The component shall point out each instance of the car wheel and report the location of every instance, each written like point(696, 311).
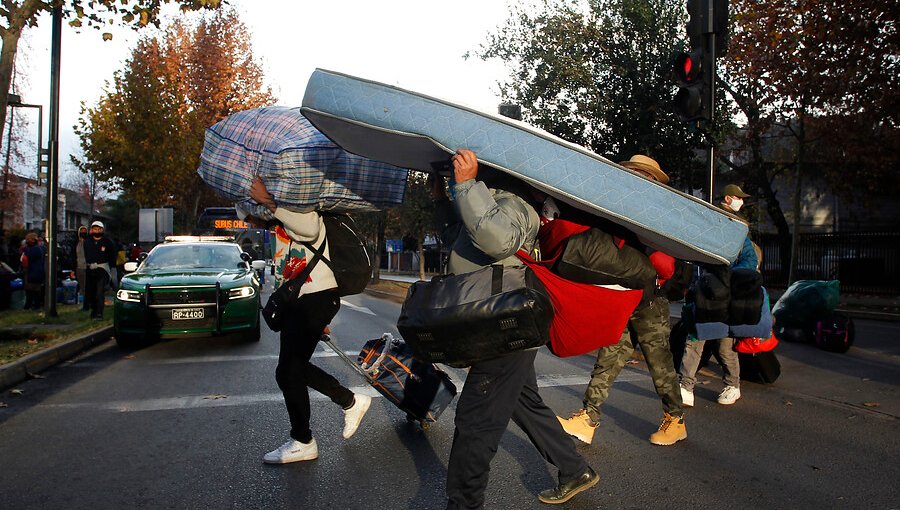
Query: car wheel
point(129, 342)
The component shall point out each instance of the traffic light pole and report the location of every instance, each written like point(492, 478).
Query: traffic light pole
point(53, 168)
point(711, 154)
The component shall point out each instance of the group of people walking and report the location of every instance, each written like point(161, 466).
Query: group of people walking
point(490, 217)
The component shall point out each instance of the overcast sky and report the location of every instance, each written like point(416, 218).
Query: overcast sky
point(415, 44)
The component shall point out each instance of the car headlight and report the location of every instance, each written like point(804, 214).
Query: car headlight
point(241, 292)
point(128, 295)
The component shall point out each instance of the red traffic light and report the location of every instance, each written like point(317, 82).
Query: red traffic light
point(689, 67)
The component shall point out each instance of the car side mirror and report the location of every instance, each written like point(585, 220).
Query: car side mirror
point(142, 257)
point(258, 265)
point(246, 257)
point(130, 266)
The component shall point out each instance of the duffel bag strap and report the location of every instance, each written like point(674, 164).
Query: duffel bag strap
point(496, 279)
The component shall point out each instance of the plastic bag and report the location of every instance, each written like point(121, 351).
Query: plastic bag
point(806, 301)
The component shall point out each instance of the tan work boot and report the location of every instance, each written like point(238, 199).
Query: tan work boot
point(671, 430)
point(579, 426)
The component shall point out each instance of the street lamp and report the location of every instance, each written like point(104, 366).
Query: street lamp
point(15, 101)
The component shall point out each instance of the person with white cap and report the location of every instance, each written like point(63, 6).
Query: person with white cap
point(100, 258)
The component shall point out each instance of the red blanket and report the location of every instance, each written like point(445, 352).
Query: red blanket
point(586, 317)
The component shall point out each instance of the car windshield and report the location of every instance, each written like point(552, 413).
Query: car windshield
point(189, 256)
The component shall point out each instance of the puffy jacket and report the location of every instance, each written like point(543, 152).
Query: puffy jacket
point(496, 224)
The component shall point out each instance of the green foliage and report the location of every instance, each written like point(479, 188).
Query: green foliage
point(600, 77)
point(145, 135)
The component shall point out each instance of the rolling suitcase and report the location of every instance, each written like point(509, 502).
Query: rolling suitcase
point(761, 367)
point(418, 388)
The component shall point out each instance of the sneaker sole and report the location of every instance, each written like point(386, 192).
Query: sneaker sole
point(728, 403)
point(572, 494)
point(283, 461)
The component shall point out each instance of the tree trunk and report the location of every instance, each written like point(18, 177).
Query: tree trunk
point(422, 255)
point(379, 242)
point(17, 17)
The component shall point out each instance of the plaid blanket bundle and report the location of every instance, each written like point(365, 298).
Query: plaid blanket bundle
point(301, 167)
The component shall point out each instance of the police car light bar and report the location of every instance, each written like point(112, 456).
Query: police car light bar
point(199, 239)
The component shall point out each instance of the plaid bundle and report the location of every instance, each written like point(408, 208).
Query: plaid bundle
point(301, 167)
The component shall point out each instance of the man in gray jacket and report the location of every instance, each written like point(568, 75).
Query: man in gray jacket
point(495, 224)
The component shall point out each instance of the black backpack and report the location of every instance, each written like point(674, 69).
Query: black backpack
point(349, 261)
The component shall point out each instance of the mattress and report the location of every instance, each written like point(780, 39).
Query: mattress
point(411, 130)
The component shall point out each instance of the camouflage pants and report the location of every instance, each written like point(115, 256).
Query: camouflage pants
point(650, 327)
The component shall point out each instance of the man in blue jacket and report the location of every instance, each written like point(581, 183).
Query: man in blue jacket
point(732, 202)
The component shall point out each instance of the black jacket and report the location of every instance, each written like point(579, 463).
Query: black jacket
point(99, 251)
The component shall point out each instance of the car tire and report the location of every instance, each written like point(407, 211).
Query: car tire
point(129, 342)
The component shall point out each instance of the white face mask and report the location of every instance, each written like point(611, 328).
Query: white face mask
point(736, 204)
point(550, 211)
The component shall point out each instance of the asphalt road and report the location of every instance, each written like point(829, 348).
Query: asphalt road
point(184, 424)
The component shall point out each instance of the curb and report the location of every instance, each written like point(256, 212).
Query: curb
point(869, 314)
point(20, 370)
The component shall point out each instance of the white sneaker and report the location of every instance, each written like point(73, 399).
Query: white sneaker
point(355, 414)
point(729, 395)
point(687, 397)
point(293, 451)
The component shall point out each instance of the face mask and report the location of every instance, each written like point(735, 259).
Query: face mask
point(82, 235)
point(549, 211)
point(736, 204)
point(97, 235)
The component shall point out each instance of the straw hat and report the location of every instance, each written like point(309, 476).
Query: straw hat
point(648, 165)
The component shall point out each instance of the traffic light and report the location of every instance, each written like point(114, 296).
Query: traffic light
point(694, 97)
point(695, 71)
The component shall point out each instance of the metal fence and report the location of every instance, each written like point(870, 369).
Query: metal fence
point(864, 262)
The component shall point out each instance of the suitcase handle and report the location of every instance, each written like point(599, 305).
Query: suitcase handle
point(388, 343)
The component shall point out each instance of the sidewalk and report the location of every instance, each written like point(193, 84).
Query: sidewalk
point(20, 370)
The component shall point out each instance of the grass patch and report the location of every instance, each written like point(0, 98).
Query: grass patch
point(390, 287)
point(23, 332)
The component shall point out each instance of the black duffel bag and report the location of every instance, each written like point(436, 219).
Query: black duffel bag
point(461, 319)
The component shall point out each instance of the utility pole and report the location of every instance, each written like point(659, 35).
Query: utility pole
point(53, 170)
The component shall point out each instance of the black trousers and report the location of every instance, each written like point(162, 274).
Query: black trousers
point(495, 391)
point(306, 319)
point(95, 290)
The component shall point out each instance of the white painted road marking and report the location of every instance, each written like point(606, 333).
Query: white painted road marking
point(205, 402)
point(358, 308)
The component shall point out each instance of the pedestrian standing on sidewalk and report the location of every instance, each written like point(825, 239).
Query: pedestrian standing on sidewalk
point(725, 354)
point(305, 319)
point(100, 259)
point(497, 223)
point(81, 267)
point(32, 260)
point(648, 326)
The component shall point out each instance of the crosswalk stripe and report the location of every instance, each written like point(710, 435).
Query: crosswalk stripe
point(211, 401)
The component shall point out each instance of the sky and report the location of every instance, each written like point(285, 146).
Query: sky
point(415, 44)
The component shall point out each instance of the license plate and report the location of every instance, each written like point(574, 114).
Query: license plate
point(181, 314)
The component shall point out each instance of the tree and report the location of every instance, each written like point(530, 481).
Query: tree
point(146, 134)
point(416, 214)
point(825, 73)
point(94, 13)
point(597, 77)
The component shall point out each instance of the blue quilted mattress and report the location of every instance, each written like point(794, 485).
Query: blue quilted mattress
point(411, 130)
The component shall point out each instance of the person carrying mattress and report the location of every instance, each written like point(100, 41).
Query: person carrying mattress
point(496, 222)
point(648, 326)
point(727, 357)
